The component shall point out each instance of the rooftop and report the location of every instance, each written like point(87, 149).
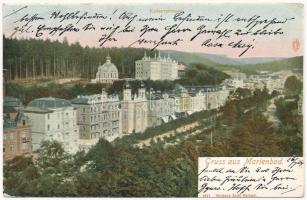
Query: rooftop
point(11, 101)
point(108, 66)
point(9, 109)
point(89, 99)
point(9, 122)
point(46, 104)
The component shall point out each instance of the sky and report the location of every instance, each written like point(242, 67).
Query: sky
point(269, 46)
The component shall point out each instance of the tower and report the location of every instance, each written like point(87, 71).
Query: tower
point(127, 92)
point(142, 91)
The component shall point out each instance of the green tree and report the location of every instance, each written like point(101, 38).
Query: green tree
point(256, 137)
point(293, 86)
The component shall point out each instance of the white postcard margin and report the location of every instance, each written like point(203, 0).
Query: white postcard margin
point(250, 177)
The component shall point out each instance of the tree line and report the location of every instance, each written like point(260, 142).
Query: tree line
point(31, 59)
point(35, 59)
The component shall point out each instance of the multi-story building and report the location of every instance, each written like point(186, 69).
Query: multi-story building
point(106, 73)
point(134, 110)
point(234, 83)
point(181, 70)
point(53, 119)
point(208, 97)
point(182, 102)
point(216, 96)
point(183, 99)
point(271, 80)
point(98, 116)
point(156, 68)
point(236, 74)
point(161, 108)
point(236, 79)
point(17, 139)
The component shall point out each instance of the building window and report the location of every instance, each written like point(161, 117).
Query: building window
point(24, 140)
point(58, 126)
point(3, 150)
point(11, 147)
point(23, 122)
point(48, 116)
point(48, 127)
point(4, 137)
point(84, 110)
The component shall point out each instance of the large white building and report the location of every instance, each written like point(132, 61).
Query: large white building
point(208, 97)
point(134, 110)
point(195, 99)
point(236, 79)
point(182, 99)
point(271, 80)
point(53, 119)
point(156, 68)
point(99, 116)
point(106, 73)
point(161, 108)
point(236, 74)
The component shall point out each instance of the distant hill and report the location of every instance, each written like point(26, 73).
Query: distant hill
point(284, 64)
point(248, 65)
point(189, 58)
point(223, 59)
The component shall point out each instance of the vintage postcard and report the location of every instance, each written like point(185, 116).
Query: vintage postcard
point(172, 99)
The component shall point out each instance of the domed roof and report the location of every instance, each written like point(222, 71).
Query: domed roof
point(107, 66)
point(47, 103)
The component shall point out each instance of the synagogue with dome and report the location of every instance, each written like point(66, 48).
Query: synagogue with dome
point(107, 73)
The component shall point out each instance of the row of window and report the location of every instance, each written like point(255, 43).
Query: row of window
point(102, 108)
point(61, 114)
point(11, 148)
point(11, 136)
point(103, 125)
point(107, 75)
point(24, 145)
point(102, 117)
point(100, 135)
point(66, 125)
